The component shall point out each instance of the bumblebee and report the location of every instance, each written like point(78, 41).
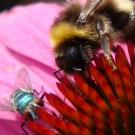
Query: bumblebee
point(81, 30)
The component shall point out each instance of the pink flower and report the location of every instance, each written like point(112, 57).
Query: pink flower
point(24, 43)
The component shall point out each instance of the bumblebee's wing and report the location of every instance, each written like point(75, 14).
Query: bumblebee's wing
point(88, 8)
point(6, 104)
point(23, 81)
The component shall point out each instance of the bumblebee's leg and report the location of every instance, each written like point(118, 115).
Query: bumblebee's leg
point(85, 53)
point(104, 42)
point(22, 127)
point(56, 74)
point(132, 25)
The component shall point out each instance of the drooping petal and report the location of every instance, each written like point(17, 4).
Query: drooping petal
point(24, 43)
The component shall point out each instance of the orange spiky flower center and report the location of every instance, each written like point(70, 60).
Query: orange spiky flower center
point(103, 100)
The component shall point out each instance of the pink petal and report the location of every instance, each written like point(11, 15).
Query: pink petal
point(24, 42)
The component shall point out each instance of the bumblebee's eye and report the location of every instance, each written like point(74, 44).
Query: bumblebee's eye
point(71, 60)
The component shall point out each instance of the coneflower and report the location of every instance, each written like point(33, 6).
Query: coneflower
point(103, 100)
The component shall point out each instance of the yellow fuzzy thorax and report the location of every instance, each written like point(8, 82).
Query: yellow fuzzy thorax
point(63, 31)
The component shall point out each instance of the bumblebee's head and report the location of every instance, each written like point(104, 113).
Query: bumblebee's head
point(69, 46)
point(68, 38)
point(68, 56)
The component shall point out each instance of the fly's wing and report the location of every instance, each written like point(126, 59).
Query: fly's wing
point(88, 8)
point(6, 104)
point(23, 81)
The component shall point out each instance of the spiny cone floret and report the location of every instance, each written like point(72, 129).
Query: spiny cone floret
point(103, 100)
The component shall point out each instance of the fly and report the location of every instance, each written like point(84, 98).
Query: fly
point(24, 99)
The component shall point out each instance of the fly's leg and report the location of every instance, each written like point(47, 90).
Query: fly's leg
point(38, 93)
point(59, 117)
point(42, 96)
point(22, 127)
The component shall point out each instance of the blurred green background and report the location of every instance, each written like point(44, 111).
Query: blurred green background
point(7, 4)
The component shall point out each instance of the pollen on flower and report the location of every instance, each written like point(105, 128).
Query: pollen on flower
point(103, 99)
